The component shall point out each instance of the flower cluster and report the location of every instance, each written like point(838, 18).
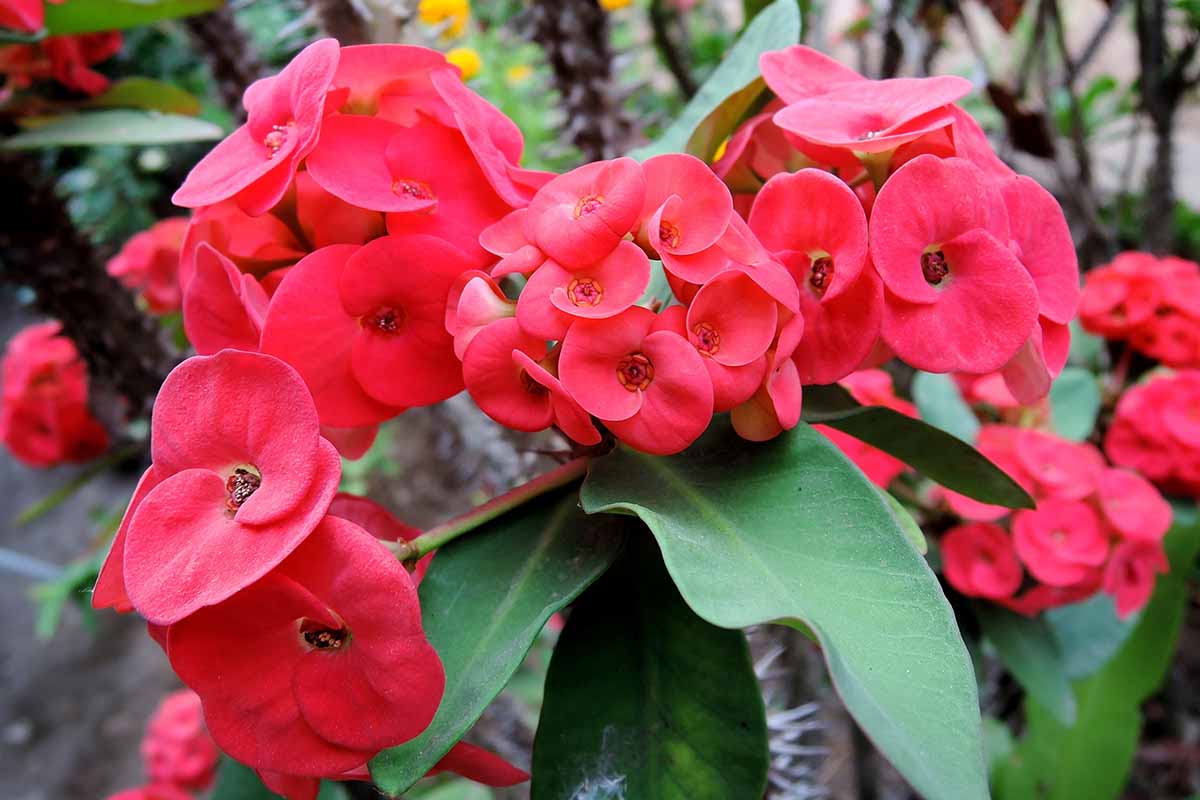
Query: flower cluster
point(1156, 431)
point(1152, 303)
point(269, 597)
point(44, 416)
point(149, 263)
point(66, 59)
point(966, 267)
point(1096, 528)
point(179, 755)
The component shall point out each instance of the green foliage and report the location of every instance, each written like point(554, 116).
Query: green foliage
point(1089, 633)
point(1031, 652)
point(484, 600)
point(940, 456)
point(1093, 757)
point(91, 16)
point(647, 699)
point(113, 127)
point(941, 404)
point(238, 782)
point(1075, 403)
point(72, 587)
point(711, 115)
point(789, 531)
point(149, 95)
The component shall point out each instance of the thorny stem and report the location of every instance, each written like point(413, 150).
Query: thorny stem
point(448, 531)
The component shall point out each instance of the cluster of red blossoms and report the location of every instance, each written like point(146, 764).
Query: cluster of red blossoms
point(179, 755)
point(370, 221)
point(44, 416)
point(1152, 303)
point(1096, 528)
point(66, 59)
point(149, 264)
point(274, 598)
point(1156, 430)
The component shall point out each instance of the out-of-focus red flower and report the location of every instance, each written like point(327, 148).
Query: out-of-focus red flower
point(149, 263)
point(1130, 574)
point(980, 561)
point(44, 416)
point(176, 748)
point(66, 59)
point(1156, 431)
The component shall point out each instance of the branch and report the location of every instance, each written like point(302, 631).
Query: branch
point(1098, 36)
point(229, 54)
point(341, 20)
point(660, 18)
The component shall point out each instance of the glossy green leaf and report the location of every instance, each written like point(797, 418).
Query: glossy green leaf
point(238, 782)
point(1089, 633)
point(114, 127)
point(91, 16)
point(1074, 403)
point(940, 456)
point(941, 404)
point(148, 95)
point(648, 700)
point(790, 530)
point(731, 89)
point(484, 600)
point(1087, 349)
point(1092, 758)
point(1030, 651)
point(906, 522)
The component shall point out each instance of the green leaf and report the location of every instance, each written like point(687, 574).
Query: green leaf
point(731, 90)
point(790, 530)
point(659, 290)
point(114, 127)
point(1087, 349)
point(484, 600)
point(997, 742)
point(238, 782)
point(1089, 633)
point(940, 456)
point(149, 95)
point(647, 699)
point(91, 16)
point(1030, 651)
point(941, 404)
point(1093, 757)
point(906, 522)
point(1074, 403)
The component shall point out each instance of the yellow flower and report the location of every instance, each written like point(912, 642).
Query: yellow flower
point(451, 13)
point(517, 74)
point(467, 60)
point(613, 5)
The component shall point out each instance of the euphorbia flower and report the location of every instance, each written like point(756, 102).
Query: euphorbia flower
point(222, 307)
point(555, 297)
point(505, 369)
point(380, 523)
point(24, 15)
point(1061, 542)
point(797, 73)
point(1059, 468)
point(979, 560)
point(775, 406)
point(149, 262)
point(687, 208)
point(319, 664)
point(241, 476)
point(176, 748)
point(507, 239)
point(651, 388)
point(732, 386)
point(1132, 505)
point(958, 299)
point(475, 301)
point(871, 387)
point(579, 217)
point(814, 224)
point(1037, 599)
point(1130, 574)
point(256, 163)
point(325, 219)
point(256, 245)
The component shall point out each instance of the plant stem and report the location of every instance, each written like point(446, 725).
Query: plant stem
point(448, 531)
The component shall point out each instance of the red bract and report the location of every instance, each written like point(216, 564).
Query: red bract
point(222, 308)
point(23, 15)
point(1058, 468)
point(379, 522)
point(241, 476)
point(555, 297)
point(1156, 431)
point(149, 262)
point(998, 443)
point(1061, 542)
point(651, 388)
point(507, 373)
point(318, 665)
point(798, 72)
point(256, 245)
point(475, 302)
point(980, 561)
point(44, 416)
point(1132, 505)
point(257, 162)
point(1130, 574)
point(958, 299)
point(687, 209)
point(579, 217)
point(176, 748)
point(66, 59)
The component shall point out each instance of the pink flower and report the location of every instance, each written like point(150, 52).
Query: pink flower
point(958, 300)
point(149, 262)
point(1133, 506)
point(797, 73)
point(475, 302)
point(1059, 468)
point(1130, 574)
point(686, 211)
point(176, 748)
point(256, 245)
point(380, 523)
point(1061, 542)
point(979, 560)
point(651, 388)
point(256, 163)
point(23, 15)
point(44, 415)
point(1155, 431)
point(240, 477)
point(318, 665)
point(153, 791)
point(222, 307)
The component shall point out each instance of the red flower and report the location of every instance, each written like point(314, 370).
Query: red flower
point(176, 748)
point(1130, 574)
point(1061, 542)
point(475, 302)
point(1059, 468)
point(44, 416)
point(23, 15)
point(256, 245)
point(1155, 431)
point(318, 665)
point(979, 560)
point(650, 387)
point(154, 791)
point(149, 262)
point(555, 297)
point(240, 477)
point(1133, 506)
point(256, 163)
point(66, 59)
point(222, 308)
